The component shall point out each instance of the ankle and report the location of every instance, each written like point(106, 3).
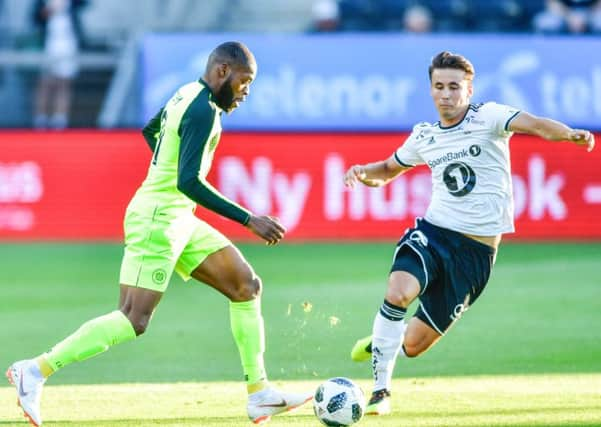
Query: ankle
point(44, 367)
point(257, 387)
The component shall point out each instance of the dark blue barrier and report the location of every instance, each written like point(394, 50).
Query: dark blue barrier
point(380, 81)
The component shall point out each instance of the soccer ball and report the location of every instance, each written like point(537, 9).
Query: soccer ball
point(338, 402)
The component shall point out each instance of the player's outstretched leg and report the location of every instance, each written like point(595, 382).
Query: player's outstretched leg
point(28, 380)
point(92, 338)
point(263, 404)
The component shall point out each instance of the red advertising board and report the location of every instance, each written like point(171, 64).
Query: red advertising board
point(75, 185)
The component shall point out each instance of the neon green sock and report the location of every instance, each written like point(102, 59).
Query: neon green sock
point(249, 334)
point(92, 338)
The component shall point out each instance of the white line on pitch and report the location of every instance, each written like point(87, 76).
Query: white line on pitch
point(592, 194)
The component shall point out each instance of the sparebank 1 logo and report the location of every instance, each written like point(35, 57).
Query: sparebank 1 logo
point(459, 178)
point(500, 84)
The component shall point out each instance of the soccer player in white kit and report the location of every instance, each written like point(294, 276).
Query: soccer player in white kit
point(447, 258)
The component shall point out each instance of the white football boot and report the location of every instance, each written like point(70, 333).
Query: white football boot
point(263, 404)
point(27, 379)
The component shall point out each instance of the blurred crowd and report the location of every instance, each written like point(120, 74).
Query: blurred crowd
point(59, 29)
point(64, 56)
point(422, 16)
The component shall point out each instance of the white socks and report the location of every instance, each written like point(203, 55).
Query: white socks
point(386, 343)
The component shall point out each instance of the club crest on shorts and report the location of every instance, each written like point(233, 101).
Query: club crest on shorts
point(419, 237)
point(159, 276)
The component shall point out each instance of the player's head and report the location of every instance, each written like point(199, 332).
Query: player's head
point(451, 77)
point(231, 68)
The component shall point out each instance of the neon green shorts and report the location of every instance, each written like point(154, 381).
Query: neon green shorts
point(157, 244)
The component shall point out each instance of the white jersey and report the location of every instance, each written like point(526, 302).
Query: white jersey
point(471, 171)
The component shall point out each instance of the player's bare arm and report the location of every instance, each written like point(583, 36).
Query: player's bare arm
point(267, 228)
point(374, 174)
point(551, 130)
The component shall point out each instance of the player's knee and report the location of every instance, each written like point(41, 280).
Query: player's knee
point(138, 322)
point(403, 288)
point(140, 326)
point(411, 350)
point(399, 297)
point(248, 289)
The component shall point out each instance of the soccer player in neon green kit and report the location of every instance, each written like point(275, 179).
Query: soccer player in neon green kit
point(162, 234)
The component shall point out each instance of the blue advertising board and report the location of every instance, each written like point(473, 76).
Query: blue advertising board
point(373, 82)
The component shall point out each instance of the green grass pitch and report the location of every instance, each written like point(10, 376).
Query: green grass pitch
point(528, 353)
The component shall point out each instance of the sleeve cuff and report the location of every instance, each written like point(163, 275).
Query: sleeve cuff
point(245, 221)
point(509, 120)
point(400, 162)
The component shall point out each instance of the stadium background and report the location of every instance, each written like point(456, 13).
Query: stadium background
point(325, 98)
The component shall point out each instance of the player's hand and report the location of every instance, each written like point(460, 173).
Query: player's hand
point(582, 137)
point(355, 174)
point(267, 228)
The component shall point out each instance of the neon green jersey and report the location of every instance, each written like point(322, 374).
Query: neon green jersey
point(183, 137)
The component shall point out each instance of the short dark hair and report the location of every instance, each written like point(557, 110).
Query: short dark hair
point(452, 60)
point(235, 54)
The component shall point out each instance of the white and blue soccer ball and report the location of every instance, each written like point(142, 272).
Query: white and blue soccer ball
point(338, 402)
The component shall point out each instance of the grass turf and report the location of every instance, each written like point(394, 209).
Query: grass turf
point(539, 315)
point(517, 401)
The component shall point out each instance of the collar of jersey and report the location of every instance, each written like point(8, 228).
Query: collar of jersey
point(469, 107)
point(207, 87)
